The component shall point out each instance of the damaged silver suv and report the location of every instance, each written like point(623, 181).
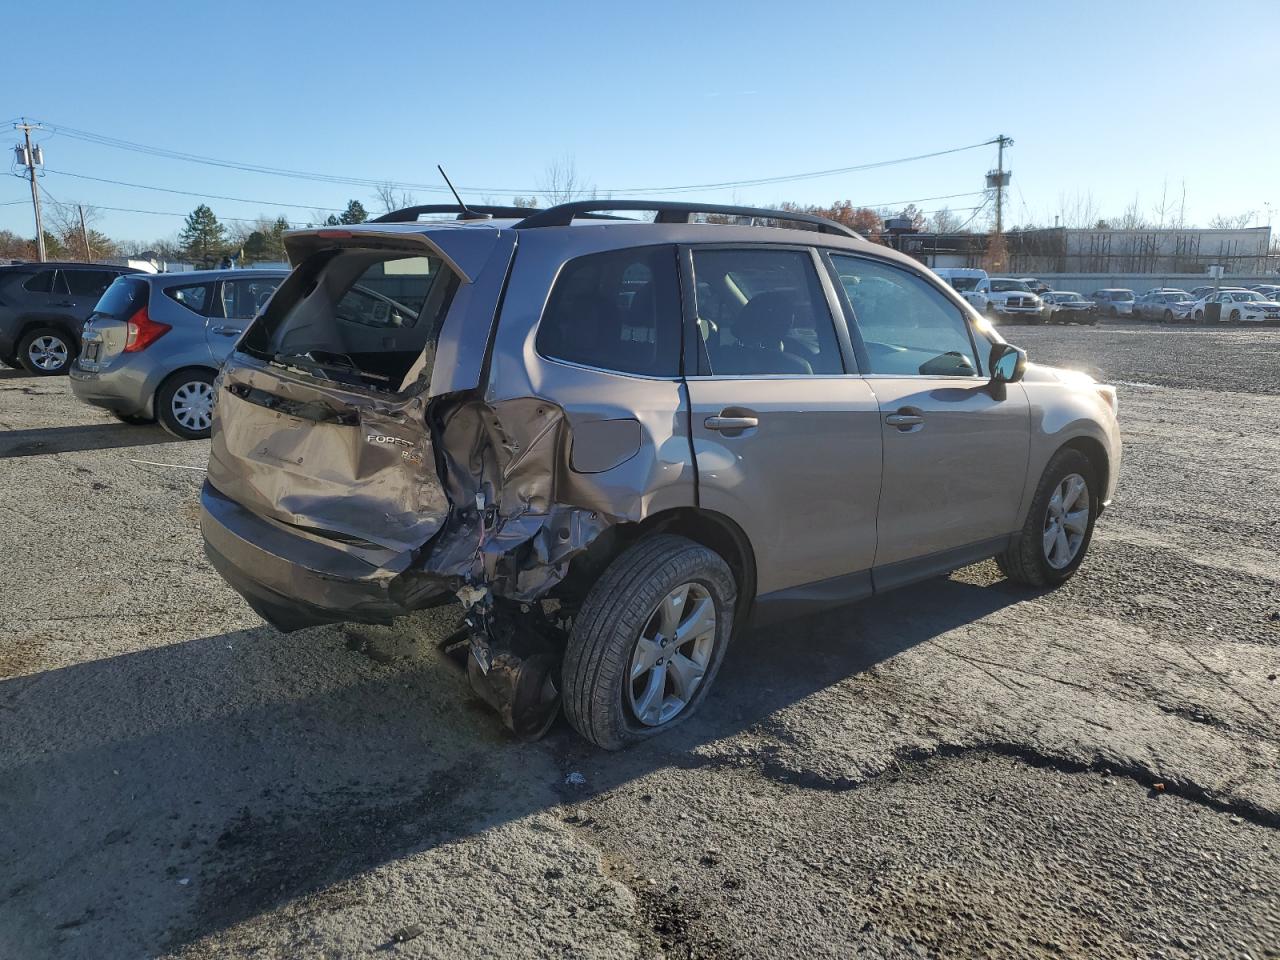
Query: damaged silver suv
point(616, 441)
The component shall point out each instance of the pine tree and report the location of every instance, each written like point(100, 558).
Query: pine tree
point(202, 237)
point(355, 213)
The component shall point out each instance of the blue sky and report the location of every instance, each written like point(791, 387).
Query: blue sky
point(1110, 100)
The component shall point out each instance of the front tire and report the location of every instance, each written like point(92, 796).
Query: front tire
point(46, 352)
point(1058, 529)
point(184, 404)
point(648, 641)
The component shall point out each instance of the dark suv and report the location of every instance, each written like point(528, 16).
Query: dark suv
point(43, 306)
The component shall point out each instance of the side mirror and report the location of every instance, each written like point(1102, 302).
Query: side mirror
point(1007, 363)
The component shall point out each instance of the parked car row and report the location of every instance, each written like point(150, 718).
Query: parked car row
point(1031, 300)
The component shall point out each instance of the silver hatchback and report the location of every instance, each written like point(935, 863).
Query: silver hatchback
point(153, 345)
point(615, 442)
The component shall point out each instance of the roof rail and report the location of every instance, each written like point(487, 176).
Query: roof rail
point(563, 214)
point(411, 214)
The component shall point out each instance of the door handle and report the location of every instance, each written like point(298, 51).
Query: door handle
point(731, 423)
point(228, 331)
point(64, 303)
point(904, 420)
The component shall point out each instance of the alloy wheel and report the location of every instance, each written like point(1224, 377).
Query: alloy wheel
point(1066, 521)
point(192, 405)
point(672, 654)
point(48, 353)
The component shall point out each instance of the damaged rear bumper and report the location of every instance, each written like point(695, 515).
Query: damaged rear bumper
point(293, 580)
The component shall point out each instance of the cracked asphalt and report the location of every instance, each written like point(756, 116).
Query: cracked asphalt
point(960, 768)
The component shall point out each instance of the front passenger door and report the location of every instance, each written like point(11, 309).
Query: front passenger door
point(955, 450)
point(238, 302)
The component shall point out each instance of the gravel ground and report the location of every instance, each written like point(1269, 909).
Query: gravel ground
point(960, 768)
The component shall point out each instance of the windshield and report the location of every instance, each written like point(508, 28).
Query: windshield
point(1067, 297)
point(1009, 286)
point(1121, 295)
point(1249, 297)
point(964, 283)
point(123, 297)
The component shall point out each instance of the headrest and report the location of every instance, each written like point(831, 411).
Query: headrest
point(765, 318)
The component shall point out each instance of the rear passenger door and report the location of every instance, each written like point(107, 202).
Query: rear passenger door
point(237, 302)
point(955, 450)
point(786, 435)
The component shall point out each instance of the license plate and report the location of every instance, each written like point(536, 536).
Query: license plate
point(91, 351)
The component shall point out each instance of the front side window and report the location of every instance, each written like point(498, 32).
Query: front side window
point(193, 296)
point(618, 310)
point(909, 328)
point(763, 312)
point(243, 298)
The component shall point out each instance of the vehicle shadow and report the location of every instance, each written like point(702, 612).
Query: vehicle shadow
point(14, 373)
point(95, 436)
point(204, 782)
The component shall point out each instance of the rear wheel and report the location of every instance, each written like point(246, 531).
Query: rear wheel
point(648, 641)
point(46, 351)
point(1059, 526)
point(184, 404)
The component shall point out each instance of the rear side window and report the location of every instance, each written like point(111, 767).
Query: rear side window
point(46, 281)
point(908, 327)
point(763, 312)
point(618, 310)
point(193, 296)
point(88, 283)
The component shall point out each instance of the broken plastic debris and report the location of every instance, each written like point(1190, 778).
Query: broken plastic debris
point(470, 595)
point(575, 779)
point(184, 881)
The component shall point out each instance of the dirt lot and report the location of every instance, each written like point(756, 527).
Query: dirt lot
point(957, 769)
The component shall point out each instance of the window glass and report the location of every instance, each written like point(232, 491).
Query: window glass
point(123, 297)
point(908, 327)
point(193, 296)
point(763, 312)
point(390, 293)
point(617, 311)
point(41, 282)
point(242, 298)
point(88, 283)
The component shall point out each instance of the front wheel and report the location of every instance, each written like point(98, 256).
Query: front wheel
point(648, 641)
point(184, 404)
point(1235, 316)
point(1059, 526)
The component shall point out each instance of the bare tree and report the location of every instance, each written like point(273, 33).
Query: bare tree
point(561, 183)
point(83, 240)
point(944, 221)
point(1079, 211)
point(390, 198)
point(1228, 222)
point(1132, 218)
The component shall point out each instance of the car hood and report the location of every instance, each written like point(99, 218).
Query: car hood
point(1041, 373)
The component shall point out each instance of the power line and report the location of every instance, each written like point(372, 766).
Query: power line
point(121, 144)
point(189, 193)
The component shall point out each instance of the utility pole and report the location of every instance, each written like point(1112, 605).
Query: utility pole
point(30, 157)
point(84, 235)
point(999, 179)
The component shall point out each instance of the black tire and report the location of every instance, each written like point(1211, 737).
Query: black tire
point(164, 402)
point(63, 343)
point(1235, 316)
point(1025, 562)
point(132, 418)
point(606, 630)
point(1168, 316)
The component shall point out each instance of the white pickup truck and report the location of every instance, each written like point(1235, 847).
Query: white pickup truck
point(1001, 298)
